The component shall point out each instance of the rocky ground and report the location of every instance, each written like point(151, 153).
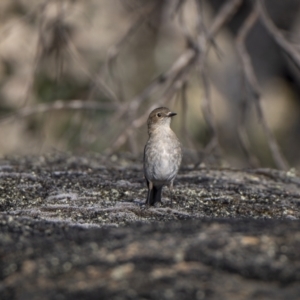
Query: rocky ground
point(77, 228)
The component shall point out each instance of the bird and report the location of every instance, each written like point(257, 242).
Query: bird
point(162, 154)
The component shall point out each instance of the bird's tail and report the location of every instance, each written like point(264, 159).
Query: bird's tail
point(154, 195)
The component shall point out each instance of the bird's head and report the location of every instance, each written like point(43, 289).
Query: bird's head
point(159, 117)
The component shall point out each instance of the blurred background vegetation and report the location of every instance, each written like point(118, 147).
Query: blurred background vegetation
point(82, 76)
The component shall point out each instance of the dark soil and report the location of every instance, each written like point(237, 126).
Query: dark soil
point(77, 228)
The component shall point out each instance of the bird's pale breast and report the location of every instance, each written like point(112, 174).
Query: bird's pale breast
point(162, 158)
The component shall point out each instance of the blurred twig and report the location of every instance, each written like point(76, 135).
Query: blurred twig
point(226, 13)
point(255, 91)
point(58, 105)
point(203, 44)
point(122, 138)
point(143, 15)
point(181, 63)
point(148, 10)
point(244, 58)
point(55, 39)
point(175, 77)
point(184, 113)
point(278, 37)
point(38, 51)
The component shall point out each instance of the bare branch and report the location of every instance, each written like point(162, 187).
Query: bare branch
point(58, 105)
point(114, 51)
point(96, 79)
point(122, 138)
point(226, 13)
point(55, 41)
point(175, 74)
point(278, 37)
point(184, 131)
point(204, 41)
point(38, 52)
point(245, 61)
point(255, 90)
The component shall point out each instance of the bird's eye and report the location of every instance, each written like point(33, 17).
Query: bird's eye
point(159, 115)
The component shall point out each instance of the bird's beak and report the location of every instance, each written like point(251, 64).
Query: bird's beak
point(171, 114)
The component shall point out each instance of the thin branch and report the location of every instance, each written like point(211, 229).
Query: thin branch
point(244, 58)
point(180, 64)
point(202, 28)
point(226, 13)
point(107, 91)
point(114, 51)
point(122, 138)
point(177, 83)
point(256, 94)
point(58, 105)
point(171, 76)
point(204, 40)
point(38, 52)
point(163, 79)
point(184, 131)
point(277, 36)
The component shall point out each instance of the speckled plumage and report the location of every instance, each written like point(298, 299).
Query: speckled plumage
point(162, 154)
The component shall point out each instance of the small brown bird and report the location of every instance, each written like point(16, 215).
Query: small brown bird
point(162, 154)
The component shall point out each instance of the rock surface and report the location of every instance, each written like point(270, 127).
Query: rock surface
point(77, 228)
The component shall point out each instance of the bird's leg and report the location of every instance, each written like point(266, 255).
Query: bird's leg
point(171, 192)
point(150, 191)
